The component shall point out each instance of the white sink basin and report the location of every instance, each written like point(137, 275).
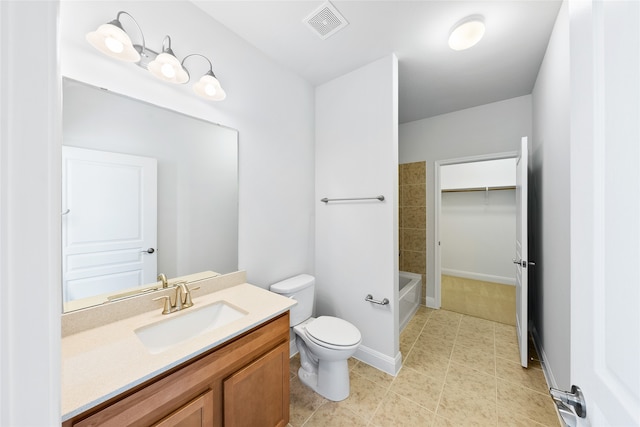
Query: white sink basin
point(184, 325)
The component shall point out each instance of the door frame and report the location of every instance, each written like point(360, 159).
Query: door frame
point(436, 302)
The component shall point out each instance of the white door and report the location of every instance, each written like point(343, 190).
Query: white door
point(109, 222)
point(521, 260)
point(605, 209)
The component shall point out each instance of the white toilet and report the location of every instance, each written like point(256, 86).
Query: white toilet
point(325, 343)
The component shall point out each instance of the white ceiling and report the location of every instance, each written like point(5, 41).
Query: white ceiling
point(433, 79)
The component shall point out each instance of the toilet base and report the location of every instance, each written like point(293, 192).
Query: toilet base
point(331, 381)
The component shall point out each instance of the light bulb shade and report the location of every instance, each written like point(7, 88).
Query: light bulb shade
point(209, 88)
point(113, 41)
point(166, 67)
point(467, 33)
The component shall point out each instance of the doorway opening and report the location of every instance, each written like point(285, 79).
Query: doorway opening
point(475, 217)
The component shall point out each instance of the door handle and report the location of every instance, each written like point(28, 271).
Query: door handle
point(148, 251)
point(521, 263)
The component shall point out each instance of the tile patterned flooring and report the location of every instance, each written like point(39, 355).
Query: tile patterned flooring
point(458, 371)
point(487, 300)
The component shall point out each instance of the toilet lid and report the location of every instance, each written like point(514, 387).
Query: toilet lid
point(332, 330)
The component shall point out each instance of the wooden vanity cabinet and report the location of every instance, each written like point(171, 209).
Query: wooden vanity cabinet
point(244, 382)
point(198, 412)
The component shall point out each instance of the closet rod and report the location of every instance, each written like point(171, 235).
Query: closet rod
point(461, 190)
point(326, 200)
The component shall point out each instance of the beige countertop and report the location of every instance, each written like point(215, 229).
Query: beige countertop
point(102, 362)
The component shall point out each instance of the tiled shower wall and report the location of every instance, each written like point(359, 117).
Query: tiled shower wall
point(413, 220)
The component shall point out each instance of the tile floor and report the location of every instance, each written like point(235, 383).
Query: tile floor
point(458, 371)
point(487, 300)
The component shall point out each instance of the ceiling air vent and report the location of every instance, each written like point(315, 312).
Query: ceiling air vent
point(325, 21)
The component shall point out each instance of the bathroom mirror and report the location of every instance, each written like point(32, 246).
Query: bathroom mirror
point(196, 166)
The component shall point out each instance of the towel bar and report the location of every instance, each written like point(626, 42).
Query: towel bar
point(369, 298)
point(327, 200)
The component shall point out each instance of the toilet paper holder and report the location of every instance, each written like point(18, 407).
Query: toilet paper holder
point(369, 298)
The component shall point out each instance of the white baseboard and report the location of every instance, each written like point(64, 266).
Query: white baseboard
point(431, 303)
point(390, 365)
point(479, 276)
point(370, 357)
point(546, 369)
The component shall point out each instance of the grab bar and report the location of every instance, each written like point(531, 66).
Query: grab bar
point(369, 298)
point(326, 200)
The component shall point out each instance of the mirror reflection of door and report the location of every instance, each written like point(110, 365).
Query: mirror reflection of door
point(109, 222)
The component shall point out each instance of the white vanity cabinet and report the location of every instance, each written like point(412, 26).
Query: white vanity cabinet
point(242, 382)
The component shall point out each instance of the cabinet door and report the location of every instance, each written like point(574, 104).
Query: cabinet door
point(197, 413)
point(258, 394)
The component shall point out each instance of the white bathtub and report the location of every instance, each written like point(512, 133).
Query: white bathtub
point(410, 292)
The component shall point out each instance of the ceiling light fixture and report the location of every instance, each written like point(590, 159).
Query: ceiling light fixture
point(467, 32)
point(112, 40)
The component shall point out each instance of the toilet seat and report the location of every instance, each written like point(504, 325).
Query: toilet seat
point(332, 332)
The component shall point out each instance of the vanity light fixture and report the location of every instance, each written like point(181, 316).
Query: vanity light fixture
point(167, 67)
point(112, 40)
point(208, 86)
point(467, 32)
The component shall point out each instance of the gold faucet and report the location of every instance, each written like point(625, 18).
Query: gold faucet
point(181, 294)
point(182, 298)
point(162, 278)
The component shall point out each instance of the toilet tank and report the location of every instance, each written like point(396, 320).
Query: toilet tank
point(300, 288)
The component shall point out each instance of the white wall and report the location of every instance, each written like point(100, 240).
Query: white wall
point(357, 242)
point(30, 297)
point(549, 203)
point(491, 128)
point(275, 124)
point(490, 173)
point(478, 234)
point(478, 228)
point(272, 109)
